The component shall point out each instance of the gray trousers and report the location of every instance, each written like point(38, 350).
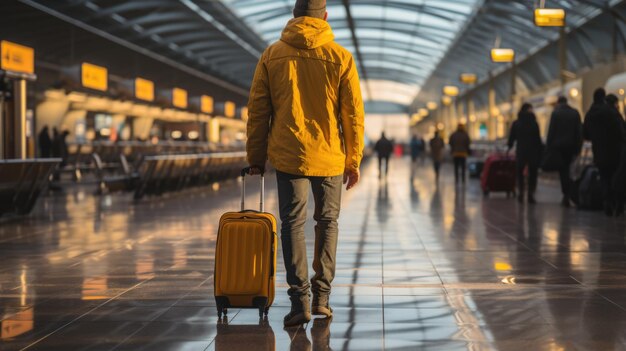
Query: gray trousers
point(293, 193)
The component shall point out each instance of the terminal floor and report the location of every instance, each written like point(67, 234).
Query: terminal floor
point(419, 267)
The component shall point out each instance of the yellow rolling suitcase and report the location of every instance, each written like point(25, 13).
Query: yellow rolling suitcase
point(245, 257)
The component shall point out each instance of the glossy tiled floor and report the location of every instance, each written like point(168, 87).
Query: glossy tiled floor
point(419, 268)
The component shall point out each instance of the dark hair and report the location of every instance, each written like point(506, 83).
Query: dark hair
point(310, 8)
point(525, 107)
point(562, 100)
point(611, 99)
point(599, 96)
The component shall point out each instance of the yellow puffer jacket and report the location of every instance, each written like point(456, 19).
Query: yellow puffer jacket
point(305, 111)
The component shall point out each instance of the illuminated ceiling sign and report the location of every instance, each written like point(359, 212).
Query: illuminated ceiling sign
point(179, 97)
point(144, 89)
point(550, 17)
point(94, 77)
point(451, 90)
point(206, 104)
point(17, 58)
point(502, 55)
point(468, 78)
point(229, 109)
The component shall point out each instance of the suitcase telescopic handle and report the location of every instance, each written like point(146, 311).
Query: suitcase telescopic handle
point(243, 189)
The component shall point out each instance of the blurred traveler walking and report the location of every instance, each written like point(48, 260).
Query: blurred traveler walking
point(311, 129)
point(45, 143)
point(525, 133)
point(619, 178)
point(603, 127)
point(460, 148)
point(417, 146)
point(437, 147)
point(384, 148)
point(565, 138)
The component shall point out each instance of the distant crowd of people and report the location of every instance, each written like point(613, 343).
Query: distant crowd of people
point(603, 126)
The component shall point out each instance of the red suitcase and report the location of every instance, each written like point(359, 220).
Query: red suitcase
point(498, 174)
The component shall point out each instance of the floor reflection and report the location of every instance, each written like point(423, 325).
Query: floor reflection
point(420, 267)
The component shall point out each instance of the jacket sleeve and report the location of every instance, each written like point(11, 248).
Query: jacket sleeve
point(512, 135)
point(587, 127)
point(259, 115)
point(552, 130)
point(352, 114)
point(579, 134)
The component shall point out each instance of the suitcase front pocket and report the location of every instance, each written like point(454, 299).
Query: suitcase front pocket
point(244, 253)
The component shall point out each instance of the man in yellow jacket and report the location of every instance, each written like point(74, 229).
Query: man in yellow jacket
point(306, 116)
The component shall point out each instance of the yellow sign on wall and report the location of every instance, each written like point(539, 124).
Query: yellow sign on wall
point(17, 58)
point(229, 109)
point(94, 77)
point(179, 97)
point(206, 104)
point(144, 89)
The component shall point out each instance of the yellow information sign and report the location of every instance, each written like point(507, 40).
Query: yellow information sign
point(229, 109)
point(179, 97)
point(94, 77)
point(206, 104)
point(144, 89)
point(17, 58)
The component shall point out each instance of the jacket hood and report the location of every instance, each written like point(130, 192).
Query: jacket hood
point(307, 33)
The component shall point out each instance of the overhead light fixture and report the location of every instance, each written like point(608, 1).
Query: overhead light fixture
point(451, 90)
point(468, 78)
point(440, 126)
point(423, 112)
point(502, 55)
point(432, 105)
point(574, 93)
point(550, 17)
point(446, 100)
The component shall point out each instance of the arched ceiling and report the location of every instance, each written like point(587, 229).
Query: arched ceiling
point(397, 43)
point(406, 50)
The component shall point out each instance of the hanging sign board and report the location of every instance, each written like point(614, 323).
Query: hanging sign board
point(550, 17)
point(17, 58)
point(502, 55)
point(468, 78)
point(144, 89)
point(94, 77)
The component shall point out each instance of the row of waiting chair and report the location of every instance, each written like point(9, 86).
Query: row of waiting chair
point(21, 183)
point(80, 159)
point(160, 174)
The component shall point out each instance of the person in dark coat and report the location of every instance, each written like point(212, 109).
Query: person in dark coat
point(603, 127)
point(525, 133)
point(384, 148)
point(437, 147)
point(416, 148)
point(45, 143)
point(460, 148)
point(565, 137)
point(619, 178)
point(56, 143)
